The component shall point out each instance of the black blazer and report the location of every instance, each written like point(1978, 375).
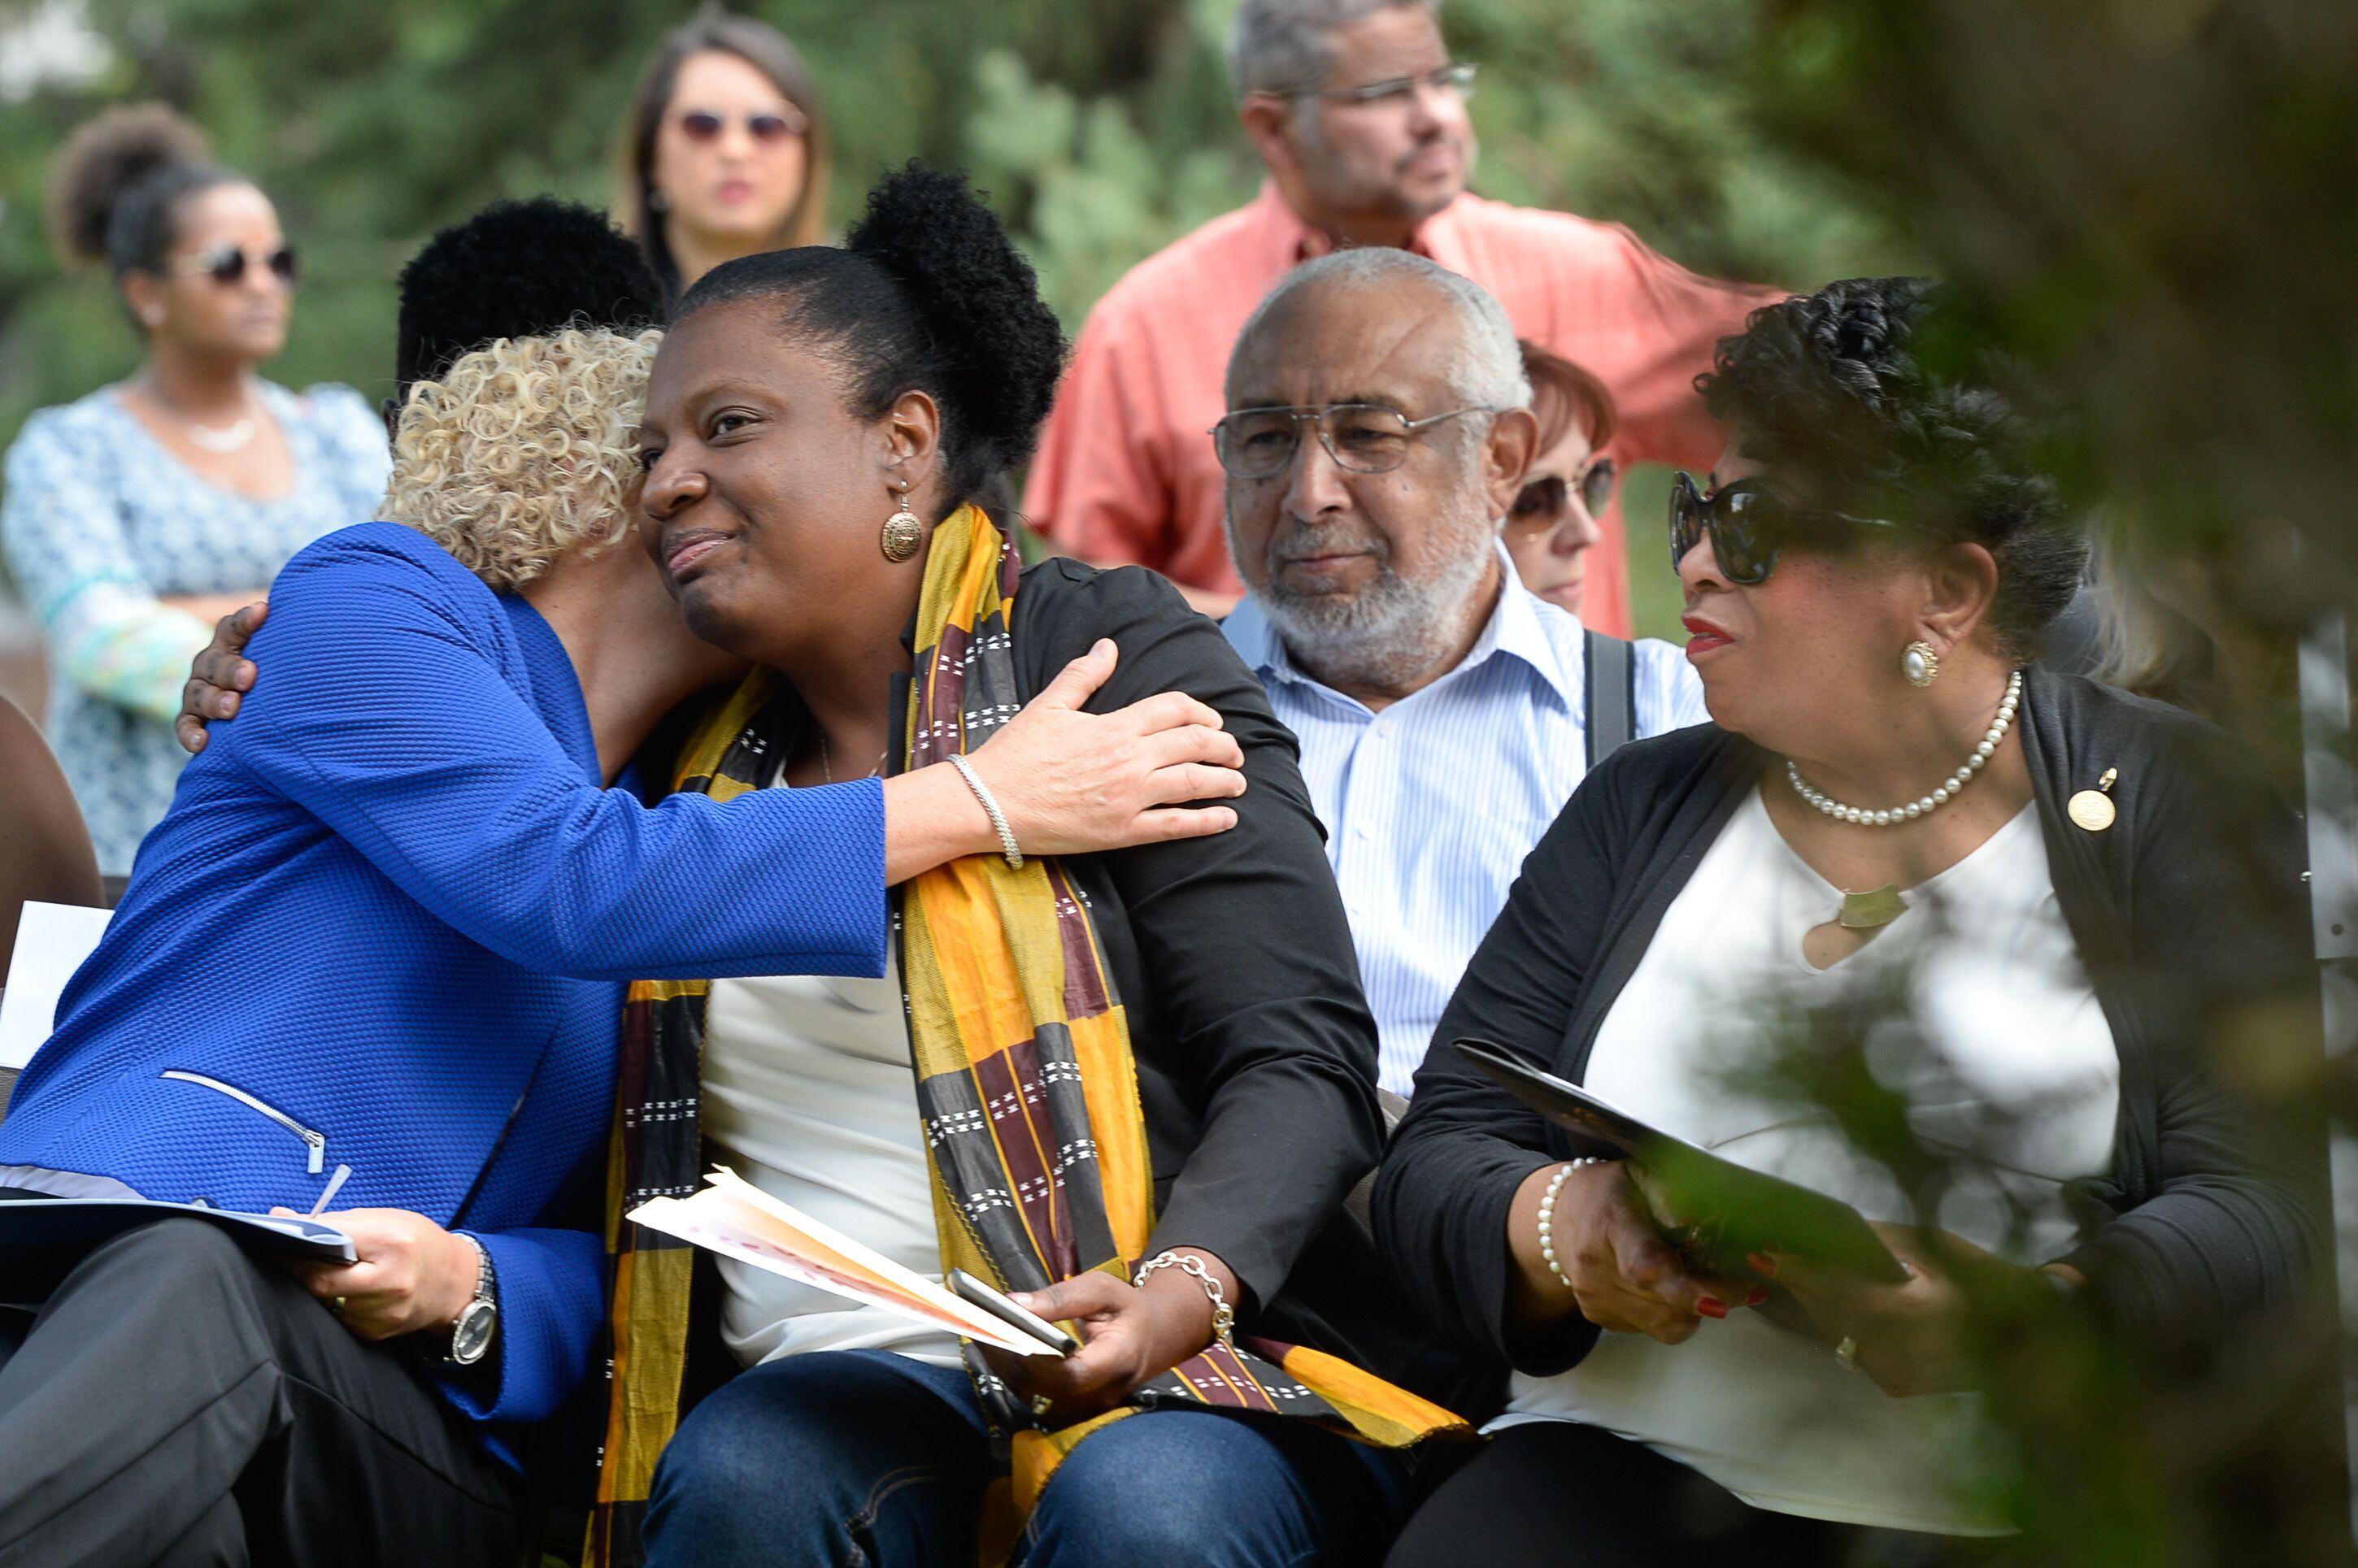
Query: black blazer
point(2190, 908)
point(1232, 956)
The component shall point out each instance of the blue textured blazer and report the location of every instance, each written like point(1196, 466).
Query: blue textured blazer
point(385, 928)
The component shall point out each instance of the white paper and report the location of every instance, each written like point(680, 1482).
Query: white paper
point(52, 940)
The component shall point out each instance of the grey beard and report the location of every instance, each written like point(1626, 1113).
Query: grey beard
point(1390, 632)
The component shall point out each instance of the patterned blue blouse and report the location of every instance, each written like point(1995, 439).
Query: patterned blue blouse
point(100, 519)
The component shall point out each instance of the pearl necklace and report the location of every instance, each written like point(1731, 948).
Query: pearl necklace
point(1938, 797)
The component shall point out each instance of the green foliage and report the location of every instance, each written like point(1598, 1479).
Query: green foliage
point(1103, 128)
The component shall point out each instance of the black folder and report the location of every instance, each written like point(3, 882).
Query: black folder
point(1714, 1210)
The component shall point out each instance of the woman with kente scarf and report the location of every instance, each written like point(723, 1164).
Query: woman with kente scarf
point(1134, 1086)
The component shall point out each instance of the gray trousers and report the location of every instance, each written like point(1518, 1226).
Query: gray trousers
point(177, 1402)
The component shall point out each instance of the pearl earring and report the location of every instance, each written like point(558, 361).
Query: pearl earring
point(1920, 664)
point(903, 533)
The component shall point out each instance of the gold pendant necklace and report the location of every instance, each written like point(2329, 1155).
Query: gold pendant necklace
point(1877, 906)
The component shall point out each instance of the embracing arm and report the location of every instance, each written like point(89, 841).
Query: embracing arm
point(467, 801)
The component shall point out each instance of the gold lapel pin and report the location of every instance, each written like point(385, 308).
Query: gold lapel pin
point(2092, 809)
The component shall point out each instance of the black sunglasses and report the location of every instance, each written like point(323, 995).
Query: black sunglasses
point(704, 126)
point(1749, 525)
point(225, 265)
point(1542, 503)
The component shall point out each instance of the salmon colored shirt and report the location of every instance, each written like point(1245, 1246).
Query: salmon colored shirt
point(1126, 471)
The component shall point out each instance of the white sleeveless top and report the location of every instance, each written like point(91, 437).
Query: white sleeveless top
point(808, 1091)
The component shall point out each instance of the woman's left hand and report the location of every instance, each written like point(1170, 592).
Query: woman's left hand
point(1128, 1334)
point(1910, 1337)
point(411, 1274)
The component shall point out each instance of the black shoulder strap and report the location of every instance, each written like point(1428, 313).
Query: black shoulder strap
point(1610, 694)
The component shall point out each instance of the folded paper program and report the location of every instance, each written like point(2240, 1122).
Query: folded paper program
point(737, 1219)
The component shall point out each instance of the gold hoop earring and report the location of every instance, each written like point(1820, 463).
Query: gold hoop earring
point(902, 533)
point(1920, 664)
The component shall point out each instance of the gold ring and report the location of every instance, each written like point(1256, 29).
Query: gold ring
point(1847, 1354)
point(337, 1306)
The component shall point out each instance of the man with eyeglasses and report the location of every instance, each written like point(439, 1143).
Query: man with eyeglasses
point(1377, 436)
point(1358, 113)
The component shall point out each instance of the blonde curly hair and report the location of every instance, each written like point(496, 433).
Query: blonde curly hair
point(524, 449)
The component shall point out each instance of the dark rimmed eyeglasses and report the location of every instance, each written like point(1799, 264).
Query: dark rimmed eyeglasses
point(226, 264)
point(1457, 78)
point(1749, 525)
point(1366, 438)
point(768, 127)
point(1542, 503)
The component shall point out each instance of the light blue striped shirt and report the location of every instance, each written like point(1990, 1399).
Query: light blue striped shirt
point(1430, 805)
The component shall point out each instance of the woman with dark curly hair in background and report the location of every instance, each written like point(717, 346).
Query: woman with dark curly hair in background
point(2070, 889)
point(1136, 1085)
point(724, 150)
point(138, 515)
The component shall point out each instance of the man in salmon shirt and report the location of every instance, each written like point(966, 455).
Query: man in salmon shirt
point(1358, 113)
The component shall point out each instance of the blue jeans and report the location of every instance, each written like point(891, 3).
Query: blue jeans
point(864, 1457)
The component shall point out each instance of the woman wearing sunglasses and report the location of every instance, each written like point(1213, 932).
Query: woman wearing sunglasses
point(138, 515)
point(1552, 525)
point(2036, 898)
point(724, 151)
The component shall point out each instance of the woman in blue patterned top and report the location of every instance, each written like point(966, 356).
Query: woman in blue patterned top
point(136, 516)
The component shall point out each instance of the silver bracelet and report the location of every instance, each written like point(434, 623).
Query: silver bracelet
point(1007, 844)
point(1547, 1216)
point(1224, 1317)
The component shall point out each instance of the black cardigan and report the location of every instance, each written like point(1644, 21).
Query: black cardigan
point(2191, 906)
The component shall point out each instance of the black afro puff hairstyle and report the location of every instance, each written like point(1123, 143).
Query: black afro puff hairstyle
point(515, 270)
point(116, 186)
point(927, 294)
point(1872, 397)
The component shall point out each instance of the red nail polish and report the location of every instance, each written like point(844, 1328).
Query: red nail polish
point(1761, 1263)
point(1712, 1306)
point(1757, 1297)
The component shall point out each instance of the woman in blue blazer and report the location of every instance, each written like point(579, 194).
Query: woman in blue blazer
point(370, 964)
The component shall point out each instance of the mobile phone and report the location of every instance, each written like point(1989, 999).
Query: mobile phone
point(979, 1293)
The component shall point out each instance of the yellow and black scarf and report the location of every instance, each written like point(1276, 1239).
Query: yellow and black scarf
point(1026, 1081)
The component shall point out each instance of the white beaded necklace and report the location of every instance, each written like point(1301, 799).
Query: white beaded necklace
point(1938, 797)
point(227, 439)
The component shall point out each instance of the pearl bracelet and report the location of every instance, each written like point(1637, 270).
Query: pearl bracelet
point(1224, 1317)
point(1547, 1214)
point(1007, 844)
